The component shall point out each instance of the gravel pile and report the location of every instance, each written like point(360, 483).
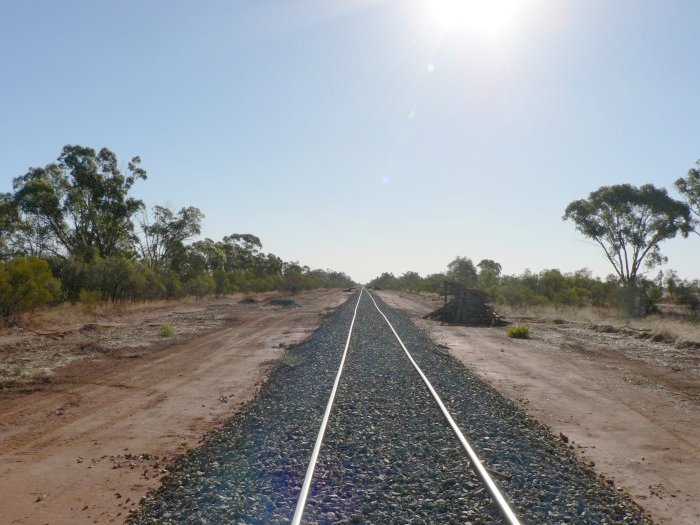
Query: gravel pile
point(388, 455)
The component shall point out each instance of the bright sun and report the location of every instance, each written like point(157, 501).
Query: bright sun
point(489, 16)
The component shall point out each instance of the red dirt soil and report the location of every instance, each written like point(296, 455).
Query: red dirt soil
point(86, 447)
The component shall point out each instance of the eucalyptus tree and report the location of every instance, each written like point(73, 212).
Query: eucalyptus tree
point(629, 223)
point(162, 240)
point(690, 189)
point(462, 270)
point(205, 256)
point(23, 234)
point(80, 204)
point(489, 275)
point(242, 251)
point(8, 220)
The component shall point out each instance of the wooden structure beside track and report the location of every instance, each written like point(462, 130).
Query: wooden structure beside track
point(464, 305)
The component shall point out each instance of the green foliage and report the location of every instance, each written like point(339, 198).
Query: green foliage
point(330, 279)
point(462, 270)
point(385, 281)
point(410, 281)
point(162, 243)
point(90, 299)
point(171, 283)
point(223, 283)
point(552, 287)
point(433, 282)
point(519, 331)
point(289, 361)
point(489, 276)
point(629, 223)
point(682, 291)
point(26, 283)
point(117, 278)
point(8, 222)
point(636, 299)
point(79, 205)
point(200, 285)
point(547, 287)
point(689, 187)
point(167, 330)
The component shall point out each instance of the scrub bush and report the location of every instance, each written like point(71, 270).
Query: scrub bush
point(26, 283)
point(519, 331)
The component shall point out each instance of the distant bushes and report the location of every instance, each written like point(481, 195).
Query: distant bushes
point(118, 279)
point(27, 283)
point(552, 287)
point(410, 281)
point(114, 278)
point(683, 292)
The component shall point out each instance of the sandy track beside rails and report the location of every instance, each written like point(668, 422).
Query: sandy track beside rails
point(637, 423)
point(86, 447)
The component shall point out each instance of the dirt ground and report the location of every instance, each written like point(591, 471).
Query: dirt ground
point(91, 413)
point(630, 407)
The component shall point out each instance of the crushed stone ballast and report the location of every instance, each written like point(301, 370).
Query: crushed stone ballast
point(486, 479)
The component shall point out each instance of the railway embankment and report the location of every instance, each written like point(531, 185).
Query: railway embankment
point(388, 455)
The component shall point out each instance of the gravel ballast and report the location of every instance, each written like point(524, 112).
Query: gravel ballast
point(388, 454)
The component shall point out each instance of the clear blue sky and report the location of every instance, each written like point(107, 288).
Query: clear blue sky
point(366, 136)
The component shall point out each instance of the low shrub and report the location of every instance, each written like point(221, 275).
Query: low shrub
point(167, 330)
point(26, 283)
point(289, 361)
point(519, 331)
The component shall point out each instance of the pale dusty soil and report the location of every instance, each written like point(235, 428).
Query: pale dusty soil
point(630, 407)
point(87, 442)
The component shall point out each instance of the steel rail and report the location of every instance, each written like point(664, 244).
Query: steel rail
point(503, 506)
point(301, 502)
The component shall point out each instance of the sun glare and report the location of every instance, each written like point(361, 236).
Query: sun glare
point(488, 16)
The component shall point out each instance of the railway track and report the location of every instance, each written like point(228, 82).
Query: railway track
point(503, 506)
point(368, 425)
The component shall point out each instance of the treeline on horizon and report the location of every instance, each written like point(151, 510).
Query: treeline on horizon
point(552, 287)
point(72, 231)
point(627, 223)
